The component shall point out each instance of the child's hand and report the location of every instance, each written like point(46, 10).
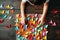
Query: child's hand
point(22, 19)
point(42, 21)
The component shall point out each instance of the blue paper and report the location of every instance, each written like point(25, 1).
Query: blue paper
point(25, 26)
point(5, 16)
point(27, 18)
point(10, 17)
point(16, 28)
point(45, 26)
point(1, 6)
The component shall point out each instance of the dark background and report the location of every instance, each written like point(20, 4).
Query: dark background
point(54, 32)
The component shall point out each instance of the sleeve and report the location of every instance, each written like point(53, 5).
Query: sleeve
point(24, 0)
point(47, 1)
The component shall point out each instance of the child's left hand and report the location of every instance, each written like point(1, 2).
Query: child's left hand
point(22, 19)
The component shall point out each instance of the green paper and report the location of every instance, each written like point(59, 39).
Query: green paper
point(7, 11)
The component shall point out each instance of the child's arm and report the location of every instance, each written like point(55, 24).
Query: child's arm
point(22, 7)
point(44, 12)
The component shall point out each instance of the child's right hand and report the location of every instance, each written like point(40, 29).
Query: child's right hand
point(22, 19)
